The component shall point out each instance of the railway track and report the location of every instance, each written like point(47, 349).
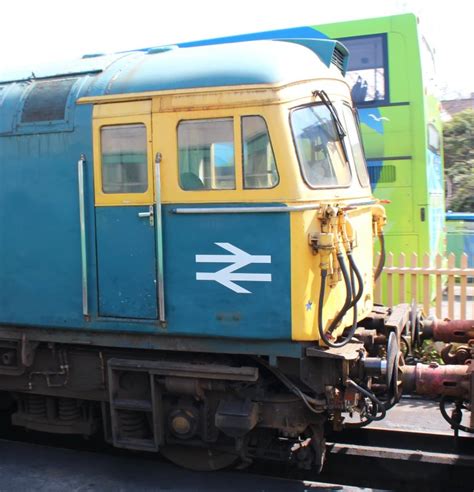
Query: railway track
point(406, 446)
point(367, 458)
point(393, 460)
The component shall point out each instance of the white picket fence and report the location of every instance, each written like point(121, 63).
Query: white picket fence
point(442, 288)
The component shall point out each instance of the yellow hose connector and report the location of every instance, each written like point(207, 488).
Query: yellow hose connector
point(379, 218)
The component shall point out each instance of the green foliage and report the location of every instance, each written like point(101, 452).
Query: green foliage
point(428, 352)
point(459, 160)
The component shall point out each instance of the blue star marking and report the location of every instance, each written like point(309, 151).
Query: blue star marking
point(309, 305)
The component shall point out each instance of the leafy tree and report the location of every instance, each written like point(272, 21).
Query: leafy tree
point(459, 161)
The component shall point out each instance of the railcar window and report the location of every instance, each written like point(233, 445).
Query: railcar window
point(355, 140)
point(259, 162)
point(124, 159)
point(206, 154)
point(319, 148)
point(366, 71)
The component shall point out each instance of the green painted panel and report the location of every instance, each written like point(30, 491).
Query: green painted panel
point(400, 216)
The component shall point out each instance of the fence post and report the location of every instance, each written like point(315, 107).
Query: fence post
point(390, 280)
point(401, 279)
point(464, 264)
point(439, 286)
point(451, 265)
point(414, 287)
point(426, 285)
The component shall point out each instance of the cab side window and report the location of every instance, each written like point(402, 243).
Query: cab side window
point(258, 160)
point(206, 154)
point(124, 158)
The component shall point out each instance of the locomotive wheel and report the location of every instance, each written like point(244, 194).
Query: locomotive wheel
point(198, 459)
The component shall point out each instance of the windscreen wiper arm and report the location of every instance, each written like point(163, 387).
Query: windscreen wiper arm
point(340, 129)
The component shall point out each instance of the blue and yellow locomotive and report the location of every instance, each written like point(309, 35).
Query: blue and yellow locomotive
point(186, 252)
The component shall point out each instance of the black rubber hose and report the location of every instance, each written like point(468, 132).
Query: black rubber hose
point(372, 397)
point(342, 312)
point(322, 291)
point(381, 263)
point(360, 280)
point(348, 302)
point(355, 297)
point(358, 425)
point(354, 301)
point(454, 425)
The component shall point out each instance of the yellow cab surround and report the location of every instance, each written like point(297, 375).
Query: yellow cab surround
point(161, 113)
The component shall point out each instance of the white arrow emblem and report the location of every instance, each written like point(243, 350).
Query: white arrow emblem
point(237, 259)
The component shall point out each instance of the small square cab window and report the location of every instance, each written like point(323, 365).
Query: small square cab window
point(206, 154)
point(124, 159)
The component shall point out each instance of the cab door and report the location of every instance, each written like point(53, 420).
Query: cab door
point(124, 211)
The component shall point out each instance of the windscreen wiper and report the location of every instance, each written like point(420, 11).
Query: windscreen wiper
point(340, 129)
point(328, 103)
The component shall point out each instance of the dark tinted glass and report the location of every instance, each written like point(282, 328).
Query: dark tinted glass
point(46, 101)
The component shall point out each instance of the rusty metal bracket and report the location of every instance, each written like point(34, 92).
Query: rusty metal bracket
point(350, 351)
point(28, 351)
point(398, 318)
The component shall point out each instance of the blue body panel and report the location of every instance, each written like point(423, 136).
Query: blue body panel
point(126, 263)
point(206, 306)
point(40, 271)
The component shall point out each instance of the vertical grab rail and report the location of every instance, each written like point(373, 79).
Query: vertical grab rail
point(82, 217)
point(159, 242)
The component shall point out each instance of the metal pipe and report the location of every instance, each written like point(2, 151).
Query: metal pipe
point(82, 219)
point(458, 331)
point(159, 242)
point(246, 210)
point(437, 380)
point(375, 366)
point(259, 209)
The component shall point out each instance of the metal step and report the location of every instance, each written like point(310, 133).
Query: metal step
point(139, 407)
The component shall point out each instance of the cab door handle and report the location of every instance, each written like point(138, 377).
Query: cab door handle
point(148, 214)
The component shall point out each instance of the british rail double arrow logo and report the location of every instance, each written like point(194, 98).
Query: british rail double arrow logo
point(228, 276)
